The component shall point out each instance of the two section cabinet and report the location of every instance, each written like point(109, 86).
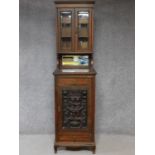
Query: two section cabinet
point(74, 76)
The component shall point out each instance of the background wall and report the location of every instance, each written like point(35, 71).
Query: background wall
point(114, 62)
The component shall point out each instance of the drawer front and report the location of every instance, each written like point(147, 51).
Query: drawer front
point(75, 108)
point(66, 81)
point(75, 137)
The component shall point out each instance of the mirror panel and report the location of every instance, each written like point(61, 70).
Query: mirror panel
point(75, 60)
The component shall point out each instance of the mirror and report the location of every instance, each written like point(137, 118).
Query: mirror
point(75, 60)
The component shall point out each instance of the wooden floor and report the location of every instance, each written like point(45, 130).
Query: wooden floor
point(105, 145)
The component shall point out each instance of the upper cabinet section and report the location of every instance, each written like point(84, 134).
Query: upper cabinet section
point(75, 26)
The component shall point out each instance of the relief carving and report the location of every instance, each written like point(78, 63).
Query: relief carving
point(74, 108)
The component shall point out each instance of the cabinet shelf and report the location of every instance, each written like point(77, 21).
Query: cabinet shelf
point(66, 23)
point(83, 37)
point(66, 37)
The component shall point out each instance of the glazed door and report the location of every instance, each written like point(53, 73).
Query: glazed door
point(65, 30)
point(75, 109)
point(83, 33)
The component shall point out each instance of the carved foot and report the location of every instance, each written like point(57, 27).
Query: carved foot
point(94, 149)
point(55, 149)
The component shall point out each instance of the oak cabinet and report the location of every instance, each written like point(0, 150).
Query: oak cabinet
point(75, 76)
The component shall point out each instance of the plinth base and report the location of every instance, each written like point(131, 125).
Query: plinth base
point(74, 146)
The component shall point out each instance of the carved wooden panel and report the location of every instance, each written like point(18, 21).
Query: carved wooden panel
point(74, 108)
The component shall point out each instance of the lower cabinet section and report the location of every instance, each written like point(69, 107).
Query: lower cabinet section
point(75, 109)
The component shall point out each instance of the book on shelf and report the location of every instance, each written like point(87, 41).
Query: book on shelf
point(66, 32)
point(66, 20)
point(83, 32)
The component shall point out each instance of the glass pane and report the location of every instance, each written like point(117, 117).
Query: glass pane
point(66, 29)
point(75, 60)
point(83, 29)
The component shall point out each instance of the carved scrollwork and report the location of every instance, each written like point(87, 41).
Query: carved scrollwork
point(74, 108)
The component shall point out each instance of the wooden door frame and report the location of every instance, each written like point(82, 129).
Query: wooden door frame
point(90, 31)
point(59, 49)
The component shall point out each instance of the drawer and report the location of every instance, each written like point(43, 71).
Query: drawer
point(75, 137)
point(73, 81)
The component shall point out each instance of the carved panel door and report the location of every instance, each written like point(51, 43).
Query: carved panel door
point(75, 109)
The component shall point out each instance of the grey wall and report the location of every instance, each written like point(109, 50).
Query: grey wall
point(114, 62)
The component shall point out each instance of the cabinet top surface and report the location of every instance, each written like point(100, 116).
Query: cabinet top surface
point(74, 1)
point(90, 71)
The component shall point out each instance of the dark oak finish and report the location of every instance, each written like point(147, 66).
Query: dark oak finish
point(75, 89)
point(74, 8)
